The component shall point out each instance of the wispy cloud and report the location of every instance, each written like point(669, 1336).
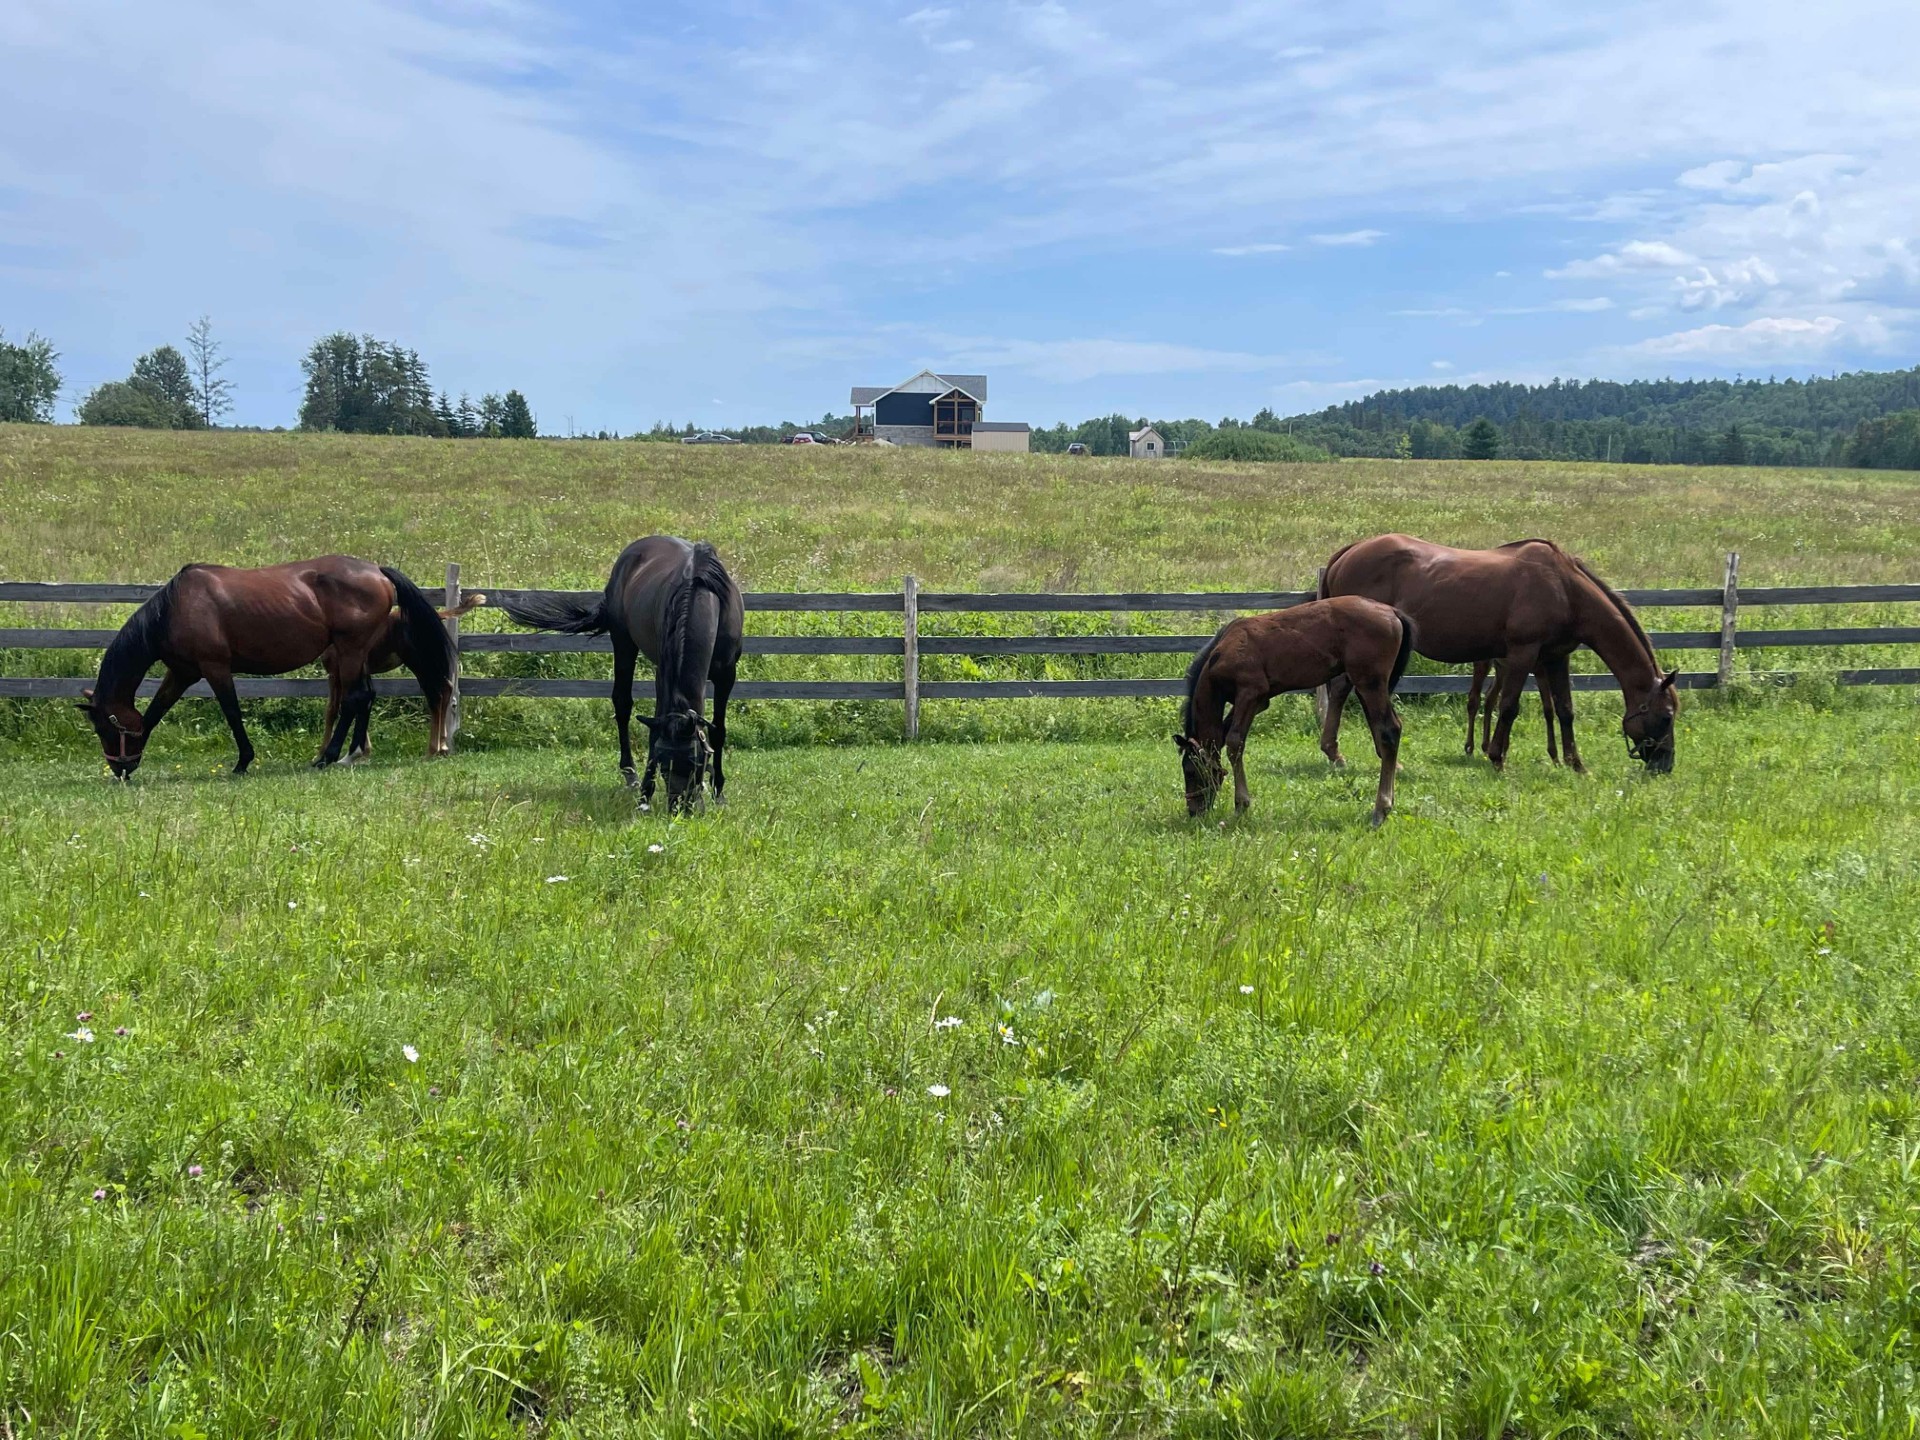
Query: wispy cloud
point(1634, 255)
point(1270, 248)
point(1349, 237)
point(1773, 337)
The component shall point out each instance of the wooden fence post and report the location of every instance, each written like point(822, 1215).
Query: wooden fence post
point(453, 629)
point(910, 652)
point(1729, 610)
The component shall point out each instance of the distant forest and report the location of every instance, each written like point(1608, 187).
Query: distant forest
point(1640, 422)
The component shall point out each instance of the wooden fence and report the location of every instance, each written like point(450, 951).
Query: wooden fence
point(911, 603)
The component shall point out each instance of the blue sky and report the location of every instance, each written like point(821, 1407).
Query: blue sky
point(730, 212)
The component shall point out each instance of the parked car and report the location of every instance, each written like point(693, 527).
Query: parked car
point(710, 437)
point(1076, 448)
point(802, 439)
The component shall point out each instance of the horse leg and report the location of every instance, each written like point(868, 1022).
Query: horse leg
point(1546, 713)
point(340, 665)
point(334, 693)
point(1473, 699)
point(625, 652)
point(1245, 706)
point(220, 681)
point(1377, 702)
point(722, 688)
point(1486, 715)
point(1338, 688)
point(1513, 683)
point(1561, 680)
point(173, 685)
point(362, 747)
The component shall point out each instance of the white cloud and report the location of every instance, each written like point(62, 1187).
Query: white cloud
point(1265, 249)
point(1441, 364)
point(1780, 337)
point(1634, 255)
point(1349, 237)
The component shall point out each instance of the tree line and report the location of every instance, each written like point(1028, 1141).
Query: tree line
point(354, 383)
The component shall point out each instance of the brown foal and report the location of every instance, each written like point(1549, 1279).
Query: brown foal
point(1251, 660)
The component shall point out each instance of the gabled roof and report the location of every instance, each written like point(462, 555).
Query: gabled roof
point(972, 386)
point(1134, 437)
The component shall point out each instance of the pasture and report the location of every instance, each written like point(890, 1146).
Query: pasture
point(456, 1099)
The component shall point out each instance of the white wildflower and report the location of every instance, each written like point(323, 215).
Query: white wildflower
point(655, 849)
point(939, 1092)
point(413, 1055)
point(1246, 989)
point(83, 1035)
point(950, 1022)
point(557, 879)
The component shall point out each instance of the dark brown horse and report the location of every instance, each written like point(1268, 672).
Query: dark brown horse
point(212, 622)
point(1251, 660)
point(675, 603)
point(1527, 606)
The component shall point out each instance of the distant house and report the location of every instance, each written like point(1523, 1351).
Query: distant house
point(932, 410)
point(1011, 435)
point(1146, 444)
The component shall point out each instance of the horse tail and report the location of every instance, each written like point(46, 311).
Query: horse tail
point(1401, 660)
point(425, 643)
point(570, 617)
point(1198, 663)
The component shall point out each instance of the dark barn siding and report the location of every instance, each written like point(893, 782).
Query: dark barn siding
point(904, 410)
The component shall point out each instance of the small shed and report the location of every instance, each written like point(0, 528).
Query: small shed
point(1007, 435)
point(1146, 444)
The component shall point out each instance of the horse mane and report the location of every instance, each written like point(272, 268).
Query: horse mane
point(1194, 668)
point(703, 572)
point(131, 653)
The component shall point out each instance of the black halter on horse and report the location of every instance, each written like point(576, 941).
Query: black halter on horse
point(675, 603)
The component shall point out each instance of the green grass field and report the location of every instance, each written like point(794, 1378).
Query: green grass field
point(458, 1099)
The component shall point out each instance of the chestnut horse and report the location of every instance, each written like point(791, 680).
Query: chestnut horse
point(213, 622)
point(1251, 660)
point(1526, 606)
point(674, 602)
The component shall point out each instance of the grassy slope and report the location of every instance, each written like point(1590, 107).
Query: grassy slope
point(99, 505)
point(1614, 1081)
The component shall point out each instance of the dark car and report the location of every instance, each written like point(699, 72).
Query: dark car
point(1076, 448)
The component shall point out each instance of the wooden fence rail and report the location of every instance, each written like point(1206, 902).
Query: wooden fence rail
point(910, 644)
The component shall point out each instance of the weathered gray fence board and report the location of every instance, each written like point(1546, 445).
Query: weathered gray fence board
point(531, 643)
point(54, 687)
point(1200, 600)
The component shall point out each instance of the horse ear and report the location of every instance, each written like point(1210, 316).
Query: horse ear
point(648, 721)
point(1672, 675)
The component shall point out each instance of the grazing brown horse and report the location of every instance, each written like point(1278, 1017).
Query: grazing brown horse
point(1253, 659)
point(674, 602)
point(213, 622)
point(1528, 606)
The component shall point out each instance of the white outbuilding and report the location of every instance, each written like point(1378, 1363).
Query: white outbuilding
point(1146, 444)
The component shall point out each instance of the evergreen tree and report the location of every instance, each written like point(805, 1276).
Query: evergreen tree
point(516, 419)
point(334, 398)
point(467, 418)
point(1731, 449)
point(29, 380)
point(1482, 440)
point(490, 412)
